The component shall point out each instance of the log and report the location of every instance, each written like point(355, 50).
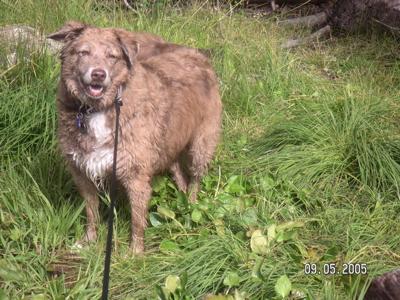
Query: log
point(286, 2)
point(354, 15)
point(349, 16)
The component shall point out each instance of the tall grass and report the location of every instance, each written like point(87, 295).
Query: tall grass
point(310, 157)
point(344, 139)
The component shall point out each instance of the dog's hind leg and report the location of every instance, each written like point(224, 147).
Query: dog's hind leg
point(201, 153)
point(179, 175)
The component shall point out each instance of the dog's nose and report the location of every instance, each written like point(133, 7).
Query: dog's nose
point(99, 74)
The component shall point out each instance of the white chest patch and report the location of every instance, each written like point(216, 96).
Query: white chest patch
point(97, 162)
point(97, 126)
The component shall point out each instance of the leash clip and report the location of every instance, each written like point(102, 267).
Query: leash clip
point(80, 122)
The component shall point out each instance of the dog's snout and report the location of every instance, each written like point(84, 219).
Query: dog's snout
point(98, 74)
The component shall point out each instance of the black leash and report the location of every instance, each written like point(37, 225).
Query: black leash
point(113, 190)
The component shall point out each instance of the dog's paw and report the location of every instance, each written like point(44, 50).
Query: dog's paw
point(136, 249)
point(78, 245)
point(89, 237)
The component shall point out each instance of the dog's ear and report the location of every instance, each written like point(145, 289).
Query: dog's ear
point(128, 45)
point(69, 31)
point(129, 52)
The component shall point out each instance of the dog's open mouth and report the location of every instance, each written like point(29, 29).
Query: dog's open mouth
point(95, 90)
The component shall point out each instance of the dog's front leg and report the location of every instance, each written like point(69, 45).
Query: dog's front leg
point(88, 191)
point(139, 193)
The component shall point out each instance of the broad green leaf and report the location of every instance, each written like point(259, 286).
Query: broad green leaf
point(159, 183)
point(286, 236)
point(204, 206)
point(196, 215)
point(250, 217)
point(168, 246)
point(225, 198)
point(182, 198)
point(204, 232)
point(267, 183)
point(209, 182)
point(242, 140)
point(283, 286)
point(232, 279)
point(172, 283)
point(154, 219)
point(258, 242)
point(15, 234)
point(234, 185)
point(249, 202)
point(166, 212)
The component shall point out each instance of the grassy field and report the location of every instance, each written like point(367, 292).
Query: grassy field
point(308, 170)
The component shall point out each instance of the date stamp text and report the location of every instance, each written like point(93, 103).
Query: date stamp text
point(335, 269)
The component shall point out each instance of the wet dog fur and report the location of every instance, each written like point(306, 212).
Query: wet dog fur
point(170, 118)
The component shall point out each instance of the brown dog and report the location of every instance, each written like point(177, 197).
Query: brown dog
point(170, 118)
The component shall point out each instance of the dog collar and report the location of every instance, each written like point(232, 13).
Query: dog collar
point(83, 112)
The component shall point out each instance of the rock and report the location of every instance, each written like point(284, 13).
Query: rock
point(23, 41)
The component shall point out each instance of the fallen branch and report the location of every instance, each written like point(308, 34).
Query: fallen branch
point(128, 5)
point(308, 21)
point(274, 6)
point(302, 41)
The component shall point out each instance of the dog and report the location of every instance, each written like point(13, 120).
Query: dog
point(170, 119)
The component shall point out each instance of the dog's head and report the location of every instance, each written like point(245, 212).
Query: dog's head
point(95, 62)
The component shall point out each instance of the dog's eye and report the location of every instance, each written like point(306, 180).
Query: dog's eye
point(112, 56)
point(83, 53)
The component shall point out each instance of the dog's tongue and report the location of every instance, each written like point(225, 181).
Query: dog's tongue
point(95, 90)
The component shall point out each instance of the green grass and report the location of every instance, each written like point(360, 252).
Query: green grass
point(308, 169)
